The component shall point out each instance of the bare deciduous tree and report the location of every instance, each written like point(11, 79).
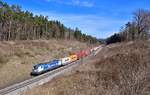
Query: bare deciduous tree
point(142, 21)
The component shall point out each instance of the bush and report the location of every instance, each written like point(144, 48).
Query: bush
point(3, 59)
point(113, 39)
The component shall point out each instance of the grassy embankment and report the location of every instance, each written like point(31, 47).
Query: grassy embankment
point(18, 57)
point(119, 69)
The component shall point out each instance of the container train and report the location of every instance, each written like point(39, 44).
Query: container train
point(48, 66)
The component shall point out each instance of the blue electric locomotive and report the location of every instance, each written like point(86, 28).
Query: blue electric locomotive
point(44, 67)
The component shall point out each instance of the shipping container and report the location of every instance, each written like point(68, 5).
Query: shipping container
point(65, 60)
point(84, 53)
point(87, 52)
point(91, 49)
point(73, 57)
point(79, 55)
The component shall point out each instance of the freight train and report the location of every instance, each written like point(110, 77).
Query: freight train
point(48, 66)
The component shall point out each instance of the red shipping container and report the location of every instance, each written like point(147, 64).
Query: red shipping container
point(83, 53)
point(80, 54)
point(87, 52)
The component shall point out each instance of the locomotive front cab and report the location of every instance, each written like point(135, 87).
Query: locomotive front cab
point(37, 69)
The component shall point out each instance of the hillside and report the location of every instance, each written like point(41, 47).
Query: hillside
point(18, 57)
point(119, 69)
point(27, 39)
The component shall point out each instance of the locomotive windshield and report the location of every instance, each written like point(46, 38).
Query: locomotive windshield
point(35, 67)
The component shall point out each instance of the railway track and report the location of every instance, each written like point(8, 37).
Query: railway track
point(19, 88)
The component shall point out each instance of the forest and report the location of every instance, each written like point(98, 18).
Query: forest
point(137, 29)
point(16, 24)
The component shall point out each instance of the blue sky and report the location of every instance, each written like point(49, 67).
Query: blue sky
point(99, 18)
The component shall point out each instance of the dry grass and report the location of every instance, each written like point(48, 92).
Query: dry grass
point(17, 58)
point(119, 70)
